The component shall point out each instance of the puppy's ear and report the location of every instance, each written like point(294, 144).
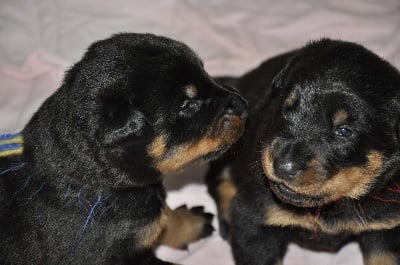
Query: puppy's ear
point(397, 128)
point(122, 121)
point(394, 106)
point(278, 82)
point(282, 63)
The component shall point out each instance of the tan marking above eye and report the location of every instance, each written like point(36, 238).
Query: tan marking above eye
point(340, 117)
point(291, 99)
point(191, 91)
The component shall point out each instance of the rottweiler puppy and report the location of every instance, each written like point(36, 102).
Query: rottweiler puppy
point(319, 164)
point(82, 182)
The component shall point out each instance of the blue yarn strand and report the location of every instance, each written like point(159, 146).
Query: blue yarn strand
point(8, 136)
point(89, 218)
point(5, 147)
point(15, 168)
point(34, 193)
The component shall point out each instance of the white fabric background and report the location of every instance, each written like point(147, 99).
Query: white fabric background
point(39, 39)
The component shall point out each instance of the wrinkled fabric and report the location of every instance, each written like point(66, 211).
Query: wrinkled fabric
point(41, 39)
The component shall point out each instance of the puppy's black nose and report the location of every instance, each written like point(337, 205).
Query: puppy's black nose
point(287, 169)
point(236, 105)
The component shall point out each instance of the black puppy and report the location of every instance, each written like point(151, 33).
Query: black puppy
point(82, 183)
point(319, 164)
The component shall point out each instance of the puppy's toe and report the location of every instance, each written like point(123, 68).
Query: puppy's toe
point(186, 226)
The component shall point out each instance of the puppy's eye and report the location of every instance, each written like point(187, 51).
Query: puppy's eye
point(343, 131)
point(190, 107)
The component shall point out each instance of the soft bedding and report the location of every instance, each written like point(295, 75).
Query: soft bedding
point(40, 39)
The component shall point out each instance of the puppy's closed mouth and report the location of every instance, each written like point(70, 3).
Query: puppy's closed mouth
point(287, 195)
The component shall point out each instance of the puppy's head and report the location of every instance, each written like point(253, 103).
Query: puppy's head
point(140, 105)
point(336, 132)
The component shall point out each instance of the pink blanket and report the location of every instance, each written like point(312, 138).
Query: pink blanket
point(40, 39)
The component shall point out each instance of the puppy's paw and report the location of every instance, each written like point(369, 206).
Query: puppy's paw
point(186, 226)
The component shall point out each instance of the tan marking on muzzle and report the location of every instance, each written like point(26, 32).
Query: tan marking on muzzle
point(184, 154)
point(340, 117)
point(225, 132)
point(351, 182)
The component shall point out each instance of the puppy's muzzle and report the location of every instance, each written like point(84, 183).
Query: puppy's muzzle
point(237, 106)
point(230, 126)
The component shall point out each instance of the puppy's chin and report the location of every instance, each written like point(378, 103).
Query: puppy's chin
point(214, 155)
point(287, 195)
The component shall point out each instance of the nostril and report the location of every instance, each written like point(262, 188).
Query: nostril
point(287, 169)
point(230, 110)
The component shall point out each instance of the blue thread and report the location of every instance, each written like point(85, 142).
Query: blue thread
point(15, 168)
point(88, 219)
point(21, 189)
point(81, 202)
point(69, 189)
point(34, 193)
point(25, 185)
point(6, 147)
point(8, 136)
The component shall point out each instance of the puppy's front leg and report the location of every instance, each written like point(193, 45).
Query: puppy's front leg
point(222, 189)
point(382, 247)
point(136, 246)
point(185, 226)
point(254, 243)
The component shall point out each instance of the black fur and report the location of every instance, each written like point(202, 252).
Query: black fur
point(325, 112)
point(89, 185)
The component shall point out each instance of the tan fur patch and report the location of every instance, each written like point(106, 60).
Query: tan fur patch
point(186, 153)
point(310, 175)
point(226, 191)
point(354, 182)
point(340, 117)
point(277, 216)
point(158, 147)
point(381, 258)
point(225, 132)
point(183, 227)
point(191, 91)
point(351, 182)
point(150, 234)
point(291, 100)
point(268, 166)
